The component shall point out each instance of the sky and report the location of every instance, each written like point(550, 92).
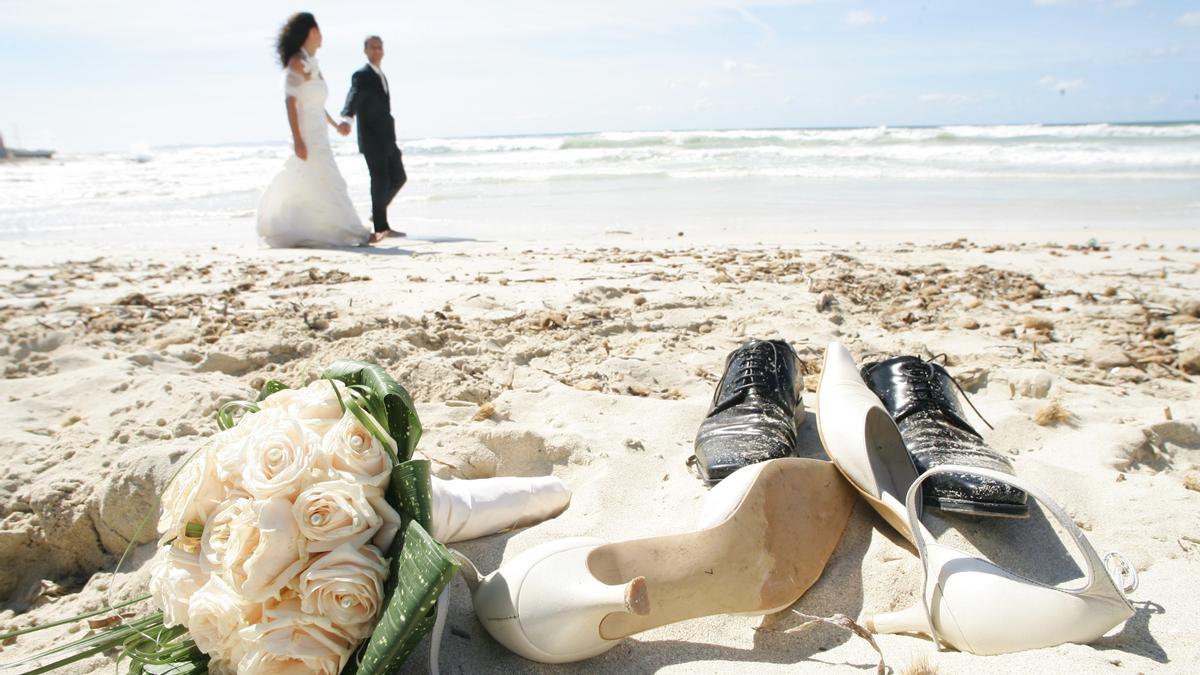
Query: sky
point(79, 76)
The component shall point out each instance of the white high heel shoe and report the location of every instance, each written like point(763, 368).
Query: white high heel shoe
point(468, 509)
point(968, 603)
point(772, 528)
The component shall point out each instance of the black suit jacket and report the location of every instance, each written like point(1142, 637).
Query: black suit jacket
point(372, 107)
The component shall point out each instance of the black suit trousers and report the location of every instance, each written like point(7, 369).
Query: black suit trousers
point(387, 177)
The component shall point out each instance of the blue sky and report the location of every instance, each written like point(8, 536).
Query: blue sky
point(83, 77)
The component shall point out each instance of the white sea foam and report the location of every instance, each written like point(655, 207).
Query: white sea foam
point(156, 190)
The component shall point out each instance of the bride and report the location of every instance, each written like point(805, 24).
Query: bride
point(307, 203)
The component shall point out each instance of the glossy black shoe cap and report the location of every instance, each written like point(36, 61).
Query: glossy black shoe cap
point(923, 400)
point(753, 413)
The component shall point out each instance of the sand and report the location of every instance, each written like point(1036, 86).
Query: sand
point(595, 362)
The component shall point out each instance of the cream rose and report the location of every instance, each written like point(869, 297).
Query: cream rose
point(337, 512)
point(233, 548)
point(215, 615)
point(291, 642)
point(281, 552)
point(346, 587)
point(231, 534)
point(175, 575)
point(230, 447)
point(190, 498)
point(316, 406)
point(280, 459)
point(356, 455)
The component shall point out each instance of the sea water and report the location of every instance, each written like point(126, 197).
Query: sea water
point(729, 183)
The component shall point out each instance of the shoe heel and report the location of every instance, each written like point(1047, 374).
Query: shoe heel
point(908, 620)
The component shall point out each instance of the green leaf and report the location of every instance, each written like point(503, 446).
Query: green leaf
point(410, 493)
point(78, 617)
point(389, 402)
point(87, 645)
point(424, 567)
point(225, 420)
point(194, 530)
point(269, 388)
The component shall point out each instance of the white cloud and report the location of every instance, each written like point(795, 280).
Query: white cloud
point(1189, 20)
point(866, 100)
point(1162, 53)
point(943, 97)
point(1060, 85)
point(702, 104)
point(863, 17)
point(743, 68)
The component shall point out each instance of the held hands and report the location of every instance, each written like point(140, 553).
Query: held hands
point(344, 128)
point(301, 149)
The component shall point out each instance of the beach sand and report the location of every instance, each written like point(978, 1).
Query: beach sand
point(595, 362)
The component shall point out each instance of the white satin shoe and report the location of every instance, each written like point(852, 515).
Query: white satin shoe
point(469, 509)
point(770, 528)
point(968, 603)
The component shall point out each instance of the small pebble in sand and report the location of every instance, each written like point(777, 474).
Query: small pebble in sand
point(967, 323)
point(485, 411)
point(1107, 357)
point(639, 300)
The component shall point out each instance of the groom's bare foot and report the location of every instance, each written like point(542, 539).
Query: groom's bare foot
point(394, 233)
point(377, 237)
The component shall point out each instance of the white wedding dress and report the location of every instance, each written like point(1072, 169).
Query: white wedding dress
point(307, 203)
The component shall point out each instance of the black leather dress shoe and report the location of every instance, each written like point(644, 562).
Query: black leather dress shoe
point(922, 399)
point(753, 413)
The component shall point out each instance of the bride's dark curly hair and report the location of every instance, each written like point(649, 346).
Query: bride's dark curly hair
point(293, 34)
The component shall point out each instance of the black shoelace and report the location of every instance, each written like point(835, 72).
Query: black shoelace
point(756, 373)
point(923, 387)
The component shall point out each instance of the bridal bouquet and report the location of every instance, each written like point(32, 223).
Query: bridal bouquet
point(296, 537)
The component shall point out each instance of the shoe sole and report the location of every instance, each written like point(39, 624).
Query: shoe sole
point(981, 509)
point(760, 559)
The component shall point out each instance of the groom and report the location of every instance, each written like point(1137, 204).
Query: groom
point(370, 101)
